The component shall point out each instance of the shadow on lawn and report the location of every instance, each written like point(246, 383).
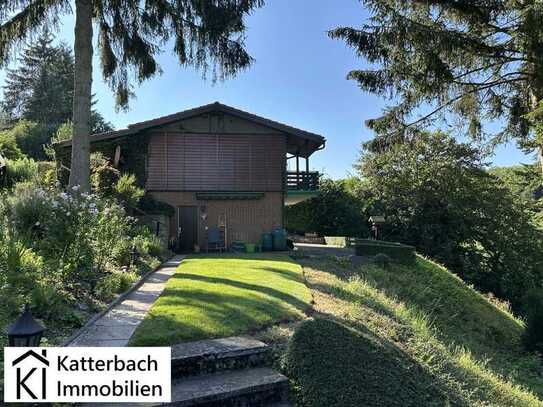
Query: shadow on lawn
point(271, 292)
point(210, 315)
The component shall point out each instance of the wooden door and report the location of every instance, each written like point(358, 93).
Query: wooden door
point(187, 228)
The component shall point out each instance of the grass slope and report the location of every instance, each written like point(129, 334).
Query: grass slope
point(407, 336)
point(222, 295)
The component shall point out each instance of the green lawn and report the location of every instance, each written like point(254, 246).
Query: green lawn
point(222, 295)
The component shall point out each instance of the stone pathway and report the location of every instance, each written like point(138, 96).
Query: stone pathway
point(117, 326)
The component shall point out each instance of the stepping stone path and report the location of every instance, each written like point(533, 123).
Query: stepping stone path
point(117, 325)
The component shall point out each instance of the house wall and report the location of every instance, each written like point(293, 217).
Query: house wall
point(216, 153)
point(246, 220)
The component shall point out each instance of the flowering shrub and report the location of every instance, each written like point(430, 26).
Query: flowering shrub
point(78, 234)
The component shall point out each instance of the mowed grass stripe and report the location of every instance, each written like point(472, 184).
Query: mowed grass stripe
point(213, 296)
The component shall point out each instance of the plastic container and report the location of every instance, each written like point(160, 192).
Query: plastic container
point(250, 248)
point(267, 242)
point(279, 240)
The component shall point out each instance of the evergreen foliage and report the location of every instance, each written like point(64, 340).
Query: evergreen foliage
point(40, 88)
point(481, 60)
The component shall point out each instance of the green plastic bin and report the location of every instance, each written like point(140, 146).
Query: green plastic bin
point(279, 240)
point(267, 242)
point(250, 248)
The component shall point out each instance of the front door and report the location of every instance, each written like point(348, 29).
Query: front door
point(187, 228)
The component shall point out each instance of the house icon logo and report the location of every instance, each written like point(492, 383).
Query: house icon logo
point(32, 378)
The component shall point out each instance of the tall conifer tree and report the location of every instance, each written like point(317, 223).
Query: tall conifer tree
point(204, 33)
point(480, 59)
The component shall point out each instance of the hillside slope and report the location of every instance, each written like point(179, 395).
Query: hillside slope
point(402, 336)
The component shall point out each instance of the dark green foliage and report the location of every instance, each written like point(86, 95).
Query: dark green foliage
point(24, 169)
point(40, 90)
point(150, 205)
point(333, 365)
point(8, 146)
point(533, 310)
point(481, 60)
point(525, 183)
point(334, 212)
point(205, 34)
point(437, 196)
point(399, 252)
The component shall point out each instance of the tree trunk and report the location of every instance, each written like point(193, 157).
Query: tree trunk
point(80, 166)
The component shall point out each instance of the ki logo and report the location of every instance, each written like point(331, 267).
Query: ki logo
point(28, 374)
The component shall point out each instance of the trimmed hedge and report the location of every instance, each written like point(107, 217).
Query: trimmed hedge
point(396, 251)
point(333, 365)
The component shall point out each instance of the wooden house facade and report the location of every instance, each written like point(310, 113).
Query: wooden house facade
point(218, 167)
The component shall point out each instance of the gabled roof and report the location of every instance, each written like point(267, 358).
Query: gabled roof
point(316, 140)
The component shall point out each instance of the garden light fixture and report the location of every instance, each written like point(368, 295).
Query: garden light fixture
point(26, 331)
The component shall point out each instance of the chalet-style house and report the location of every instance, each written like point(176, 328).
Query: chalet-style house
point(218, 167)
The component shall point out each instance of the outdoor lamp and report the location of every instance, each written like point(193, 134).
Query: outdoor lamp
point(135, 255)
point(26, 331)
point(376, 221)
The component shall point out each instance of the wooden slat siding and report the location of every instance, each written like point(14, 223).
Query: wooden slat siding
point(209, 162)
point(156, 179)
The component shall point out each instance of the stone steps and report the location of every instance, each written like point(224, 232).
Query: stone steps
point(210, 356)
point(256, 387)
point(226, 372)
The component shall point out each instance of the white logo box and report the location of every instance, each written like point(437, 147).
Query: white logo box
point(87, 375)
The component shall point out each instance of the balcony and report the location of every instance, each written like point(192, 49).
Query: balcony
point(301, 186)
point(302, 181)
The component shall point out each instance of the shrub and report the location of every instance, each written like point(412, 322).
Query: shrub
point(23, 169)
point(128, 191)
point(396, 251)
point(122, 252)
point(104, 176)
point(114, 283)
point(148, 244)
point(332, 365)
point(533, 309)
point(8, 146)
point(47, 301)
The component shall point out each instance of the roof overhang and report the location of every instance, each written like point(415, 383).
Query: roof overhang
point(299, 141)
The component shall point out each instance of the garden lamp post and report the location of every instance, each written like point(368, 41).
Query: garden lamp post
point(134, 255)
point(376, 221)
point(26, 331)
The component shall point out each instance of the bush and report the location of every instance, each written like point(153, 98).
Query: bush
point(47, 301)
point(114, 283)
point(128, 191)
point(104, 176)
point(332, 365)
point(8, 146)
point(21, 170)
point(396, 251)
point(122, 253)
point(334, 212)
point(533, 310)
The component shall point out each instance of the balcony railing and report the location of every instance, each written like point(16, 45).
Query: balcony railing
point(302, 181)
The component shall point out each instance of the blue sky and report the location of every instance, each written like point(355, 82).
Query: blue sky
point(298, 78)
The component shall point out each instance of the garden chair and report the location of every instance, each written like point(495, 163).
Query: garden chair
point(215, 240)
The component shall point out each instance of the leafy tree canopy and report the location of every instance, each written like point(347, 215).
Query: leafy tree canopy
point(336, 211)
point(437, 196)
point(481, 60)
